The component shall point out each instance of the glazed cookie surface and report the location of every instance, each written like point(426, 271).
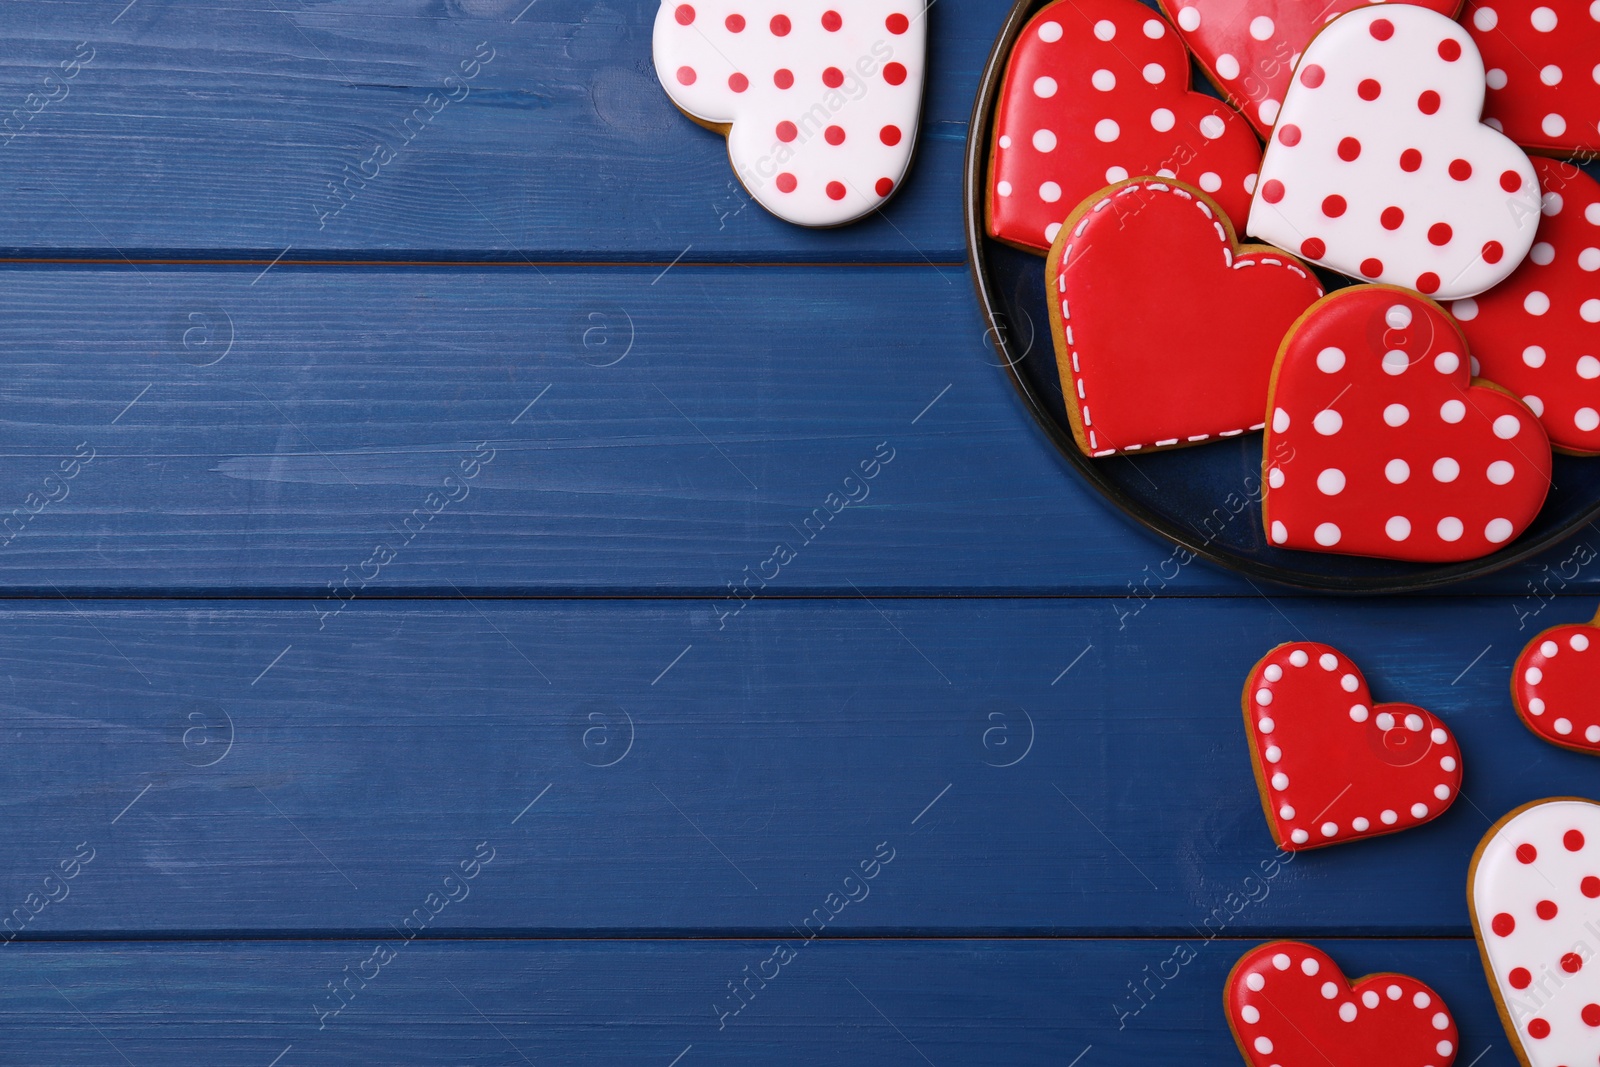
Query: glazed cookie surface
point(1543, 62)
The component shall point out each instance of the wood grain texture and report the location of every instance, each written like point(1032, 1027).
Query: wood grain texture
point(719, 781)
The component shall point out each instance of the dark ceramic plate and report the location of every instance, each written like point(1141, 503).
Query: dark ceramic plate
point(1198, 498)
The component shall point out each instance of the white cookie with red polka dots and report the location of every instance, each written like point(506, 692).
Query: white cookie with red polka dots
point(1534, 887)
point(820, 106)
point(1380, 168)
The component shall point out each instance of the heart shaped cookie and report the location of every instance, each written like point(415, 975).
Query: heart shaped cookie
point(1331, 765)
point(1289, 1005)
point(820, 107)
point(1097, 91)
point(1381, 443)
point(1249, 47)
point(1544, 87)
point(1532, 888)
point(1538, 332)
point(1165, 329)
point(1555, 685)
point(1379, 167)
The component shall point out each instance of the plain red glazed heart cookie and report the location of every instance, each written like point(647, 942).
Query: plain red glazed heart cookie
point(1166, 330)
point(1555, 686)
point(1541, 55)
point(1538, 332)
point(1097, 91)
point(1331, 765)
point(1250, 46)
point(1289, 1005)
point(1383, 444)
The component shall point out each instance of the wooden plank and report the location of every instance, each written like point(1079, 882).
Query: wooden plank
point(683, 777)
point(851, 1002)
point(231, 128)
point(263, 432)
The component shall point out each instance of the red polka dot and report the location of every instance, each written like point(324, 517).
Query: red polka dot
point(1526, 853)
point(833, 77)
point(1572, 963)
point(1289, 134)
point(889, 135)
point(1272, 191)
point(1503, 924)
point(1428, 102)
point(1369, 89)
point(686, 75)
point(1520, 978)
point(786, 182)
point(780, 25)
point(1538, 1029)
point(1460, 170)
point(735, 23)
point(1312, 76)
point(1410, 160)
point(738, 82)
point(1382, 29)
point(1440, 233)
point(1590, 886)
point(1545, 909)
point(684, 14)
point(1493, 252)
point(1511, 181)
point(1392, 217)
point(834, 134)
point(787, 131)
point(894, 73)
point(835, 190)
point(1371, 267)
point(885, 186)
point(1591, 1014)
point(1428, 284)
point(1334, 206)
point(1573, 840)
point(831, 21)
point(783, 78)
point(897, 23)
point(1313, 248)
point(1349, 149)
point(1449, 50)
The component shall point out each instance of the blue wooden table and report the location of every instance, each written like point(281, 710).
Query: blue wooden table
point(524, 604)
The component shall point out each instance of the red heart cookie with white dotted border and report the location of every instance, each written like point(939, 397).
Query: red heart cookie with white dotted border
point(1555, 686)
point(1250, 46)
point(820, 107)
point(1097, 91)
point(1543, 60)
point(1289, 1005)
point(1165, 329)
point(1538, 332)
point(1379, 168)
point(1533, 888)
point(1331, 765)
point(1383, 444)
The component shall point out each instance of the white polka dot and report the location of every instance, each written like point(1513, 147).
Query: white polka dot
point(1590, 311)
point(1443, 1048)
point(1310, 967)
point(1005, 140)
point(1592, 735)
point(1050, 32)
point(1395, 362)
point(1452, 411)
point(1256, 984)
point(1116, 174)
point(1045, 87)
point(1286, 812)
point(1155, 29)
point(1044, 140)
point(1155, 73)
point(1250, 1014)
point(1495, 78)
point(1562, 726)
point(1358, 713)
point(1328, 661)
point(1360, 825)
point(1592, 212)
point(1447, 763)
point(1299, 837)
point(1579, 643)
point(1250, 187)
point(1266, 725)
point(1370, 998)
point(1103, 80)
point(1329, 990)
point(1280, 781)
point(1398, 317)
point(1213, 127)
point(1107, 130)
point(1388, 818)
point(1533, 676)
point(1273, 754)
point(1347, 1011)
point(1327, 422)
point(1533, 356)
point(1003, 188)
point(1261, 28)
point(1586, 419)
point(1418, 810)
point(1398, 528)
point(1441, 792)
point(1384, 721)
point(1396, 414)
point(1543, 253)
point(1298, 658)
point(1421, 1000)
point(1331, 482)
point(1397, 471)
point(1189, 19)
point(1263, 697)
point(1543, 19)
point(1326, 534)
point(1275, 478)
point(1552, 204)
point(1498, 531)
point(1414, 723)
point(1446, 470)
point(1227, 67)
point(1500, 472)
point(1280, 533)
point(1049, 192)
point(1330, 360)
point(1535, 404)
point(1507, 426)
point(1105, 29)
point(1485, 19)
point(1553, 125)
point(1450, 528)
point(1349, 683)
point(1589, 258)
point(1268, 110)
point(1280, 420)
point(1161, 120)
point(1447, 363)
point(1050, 232)
point(1273, 672)
point(1210, 181)
point(1549, 649)
point(1550, 75)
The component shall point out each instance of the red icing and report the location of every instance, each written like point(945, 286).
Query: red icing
point(1553, 686)
point(1379, 444)
point(1290, 1020)
point(1527, 45)
point(1156, 361)
point(1097, 91)
point(1552, 358)
point(1331, 765)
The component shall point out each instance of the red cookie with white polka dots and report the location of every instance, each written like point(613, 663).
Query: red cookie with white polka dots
point(1534, 892)
point(1165, 329)
point(1381, 442)
point(1331, 765)
point(1538, 332)
point(1097, 91)
point(820, 107)
point(1250, 46)
point(1289, 1005)
point(1379, 166)
point(1543, 60)
point(1555, 686)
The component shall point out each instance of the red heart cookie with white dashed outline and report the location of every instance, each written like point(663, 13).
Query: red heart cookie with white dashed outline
point(1289, 1005)
point(1331, 765)
point(1097, 91)
point(1543, 71)
point(1249, 47)
point(1538, 332)
point(1555, 686)
point(1383, 444)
